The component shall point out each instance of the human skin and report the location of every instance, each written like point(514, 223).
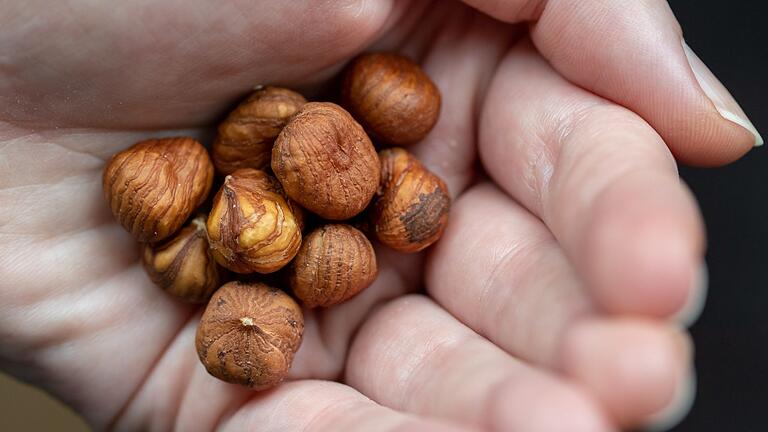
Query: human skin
point(556, 288)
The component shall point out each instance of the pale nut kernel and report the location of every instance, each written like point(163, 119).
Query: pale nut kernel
point(251, 226)
point(183, 264)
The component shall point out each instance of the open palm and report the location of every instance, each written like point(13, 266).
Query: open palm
point(546, 301)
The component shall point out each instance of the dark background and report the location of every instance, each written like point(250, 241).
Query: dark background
point(731, 336)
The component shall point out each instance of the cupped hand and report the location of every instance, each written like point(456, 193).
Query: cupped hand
point(555, 300)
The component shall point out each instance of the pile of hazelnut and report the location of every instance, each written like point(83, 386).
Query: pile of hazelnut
point(300, 181)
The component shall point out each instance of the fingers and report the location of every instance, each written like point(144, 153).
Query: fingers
point(450, 149)
point(328, 332)
point(633, 53)
point(635, 367)
point(180, 395)
point(413, 356)
point(601, 179)
point(322, 406)
point(499, 270)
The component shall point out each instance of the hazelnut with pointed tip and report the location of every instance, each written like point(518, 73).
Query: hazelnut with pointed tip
point(251, 226)
point(183, 264)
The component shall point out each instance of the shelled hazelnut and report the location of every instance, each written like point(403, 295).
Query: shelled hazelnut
point(182, 264)
point(335, 262)
point(155, 185)
point(411, 207)
point(328, 181)
point(391, 97)
point(246, 137)
point(249, 334)
point(326, 162)
point(251, 227)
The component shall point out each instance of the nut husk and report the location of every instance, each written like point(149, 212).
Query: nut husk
point(246, 137)
point(249, 334)
point(335, 262)
point(411, 207)
point(326, 162)
point(183, 264)
point(155, 185)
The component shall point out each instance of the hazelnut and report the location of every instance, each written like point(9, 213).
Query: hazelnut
point(411, 207)
point(326, 162)
point(251, 227)
point(246, 137)
point(335, 262)
point(249, 334)
point(182, 264)
point(392, 97)
point(155, 185)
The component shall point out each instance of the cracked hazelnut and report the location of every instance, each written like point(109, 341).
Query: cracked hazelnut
point(251, 226)
point(246, 137)
point(335, 262)
point(249, 334)
point(411, 207)
point(182, 264)
point(391, 97)
point(326, 162)
point(155, 185)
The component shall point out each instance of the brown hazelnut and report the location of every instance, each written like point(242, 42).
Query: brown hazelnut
point(411, 207)
point(246, 137)
point(326, 162)
point(249, 334)
point(251, 227)
point(183, 264)
point(155, 185)
point(391, 97)
point(335, 262)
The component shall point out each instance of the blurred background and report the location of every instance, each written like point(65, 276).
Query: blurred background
point(732, 335)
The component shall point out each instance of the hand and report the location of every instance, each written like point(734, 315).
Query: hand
point(551, 300)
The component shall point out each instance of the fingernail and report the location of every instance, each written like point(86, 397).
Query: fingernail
point(697, 295)
point(678, 408)
point(720, 96)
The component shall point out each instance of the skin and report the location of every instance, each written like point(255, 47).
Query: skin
point(555, 284)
